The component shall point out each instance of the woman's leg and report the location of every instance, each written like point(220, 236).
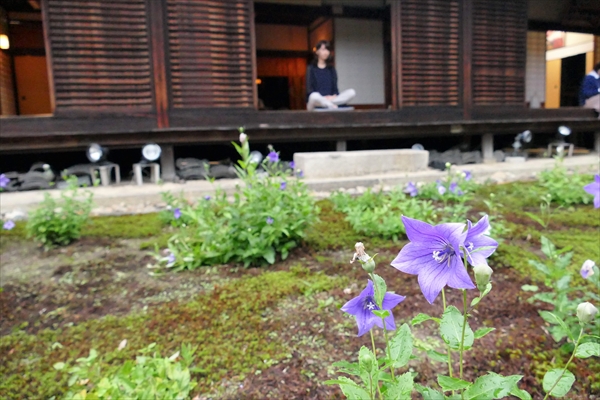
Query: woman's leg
point(317, 100)
point(344, 97)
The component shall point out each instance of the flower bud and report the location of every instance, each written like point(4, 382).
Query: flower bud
point(243, 138)
point(586, 312)
point(367, 262)
point(366, 360)
point(482, 276)
point(587, 269)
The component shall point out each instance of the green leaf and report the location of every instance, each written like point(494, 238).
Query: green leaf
point(381, 313)
point(530, 288)
point(564, 384)
point(451, 328)
point(555, 319)
point(380, 289)
point(347, 367)
point(520, 393)
point(586, 350)
point(548, 247)
point(491, 386)
point(269, 255)
point(448, 383)
point(59, 366)
point(401, 346)
point(428, 393)
point(481, 332)
point(436, 356)
point(420, 318)
point(539, 266)
point(399, 390)
point(350, 389)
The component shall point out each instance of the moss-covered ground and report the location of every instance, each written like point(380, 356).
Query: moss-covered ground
point(270, 332)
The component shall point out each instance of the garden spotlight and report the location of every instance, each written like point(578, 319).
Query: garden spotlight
point(256, 157)
point(151, 152)
point(96, 153)
point(524, 137)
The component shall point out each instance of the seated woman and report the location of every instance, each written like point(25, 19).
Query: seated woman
point(321, 81)
point(589, 95)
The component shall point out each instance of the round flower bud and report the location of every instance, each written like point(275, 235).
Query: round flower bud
point(366, 360)
point(586, 312)
point(243, 138)
point(482, 276)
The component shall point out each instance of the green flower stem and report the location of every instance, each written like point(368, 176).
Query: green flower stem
point(568, 362)
point(462, 337)
point(375, 354)
point(449, 349)
point(387, 347)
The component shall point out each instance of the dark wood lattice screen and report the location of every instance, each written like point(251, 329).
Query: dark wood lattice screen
point(499, 51)
point(100, 54)
point(430, 52)
point(210, 53)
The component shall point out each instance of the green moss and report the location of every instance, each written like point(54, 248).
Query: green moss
point(583, 243)
point(231, 325)
point(161, 241)
point(512, 196)
point(517, 257)
point(576, 216)
point(125, 226)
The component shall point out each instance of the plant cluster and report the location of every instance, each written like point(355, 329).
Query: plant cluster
point(58, 222)
point(150, 376)
point(565, 189)
point(440, 256)
point(267, 216)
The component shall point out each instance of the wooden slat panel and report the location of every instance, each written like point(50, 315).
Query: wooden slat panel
point(210, 53)
point(100, 54)
point(430, 52)
point(499, 50)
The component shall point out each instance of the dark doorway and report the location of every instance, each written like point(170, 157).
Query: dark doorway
point(572, 74)
point(274, 92)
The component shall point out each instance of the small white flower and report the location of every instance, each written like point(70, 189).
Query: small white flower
point(482, 275)
point(122, 344)
point(243, 138)
point(586, 312)
point(587, 269)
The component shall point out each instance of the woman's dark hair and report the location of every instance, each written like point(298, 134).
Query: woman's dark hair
point(596, 67)
point(327, 45)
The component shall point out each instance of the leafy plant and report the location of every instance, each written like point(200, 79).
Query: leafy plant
point(545, 211)
point(148, 377)
point(59, 222)
point(566, 189)
point(267, 216)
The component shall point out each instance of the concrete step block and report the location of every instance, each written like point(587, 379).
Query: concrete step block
point(333, 164)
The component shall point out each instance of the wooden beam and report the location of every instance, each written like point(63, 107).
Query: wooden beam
point(48, 46)
point(466, 40)
point(253, 51)
point(158, 41)
point(396, 54)
point(35, 4)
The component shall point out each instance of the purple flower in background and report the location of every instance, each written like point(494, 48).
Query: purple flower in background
point(283, 185)
point(292, 165)
point(411, 189)
point(207, 197)
point(270, 220)
point(300, 174)
point(3, 180)
point(594, 189)
point(455, 189)
point(8, 225)
point(478, 244)
point(441, 190)
point(434, 255)
point(177, 213)
point(171, 259)
point(363, 305)
point(273, 157)
point(467, 175)
point(587, 269)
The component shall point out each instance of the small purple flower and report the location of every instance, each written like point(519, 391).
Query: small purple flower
point(468, 175)
point(3, 180)
point(441, 190)
point(171, 259)
point(455, 189)
point(594, 189)
point(478, 244)
point(433, 254)
point(283, 185)
point(363, 305)
point(292, 165)
point(270, 220)
point(177, 213)
point(207, 197)
point(587, 269)
point(411, 189)
point(8, 225)
point(300, 174)
point(273, 157)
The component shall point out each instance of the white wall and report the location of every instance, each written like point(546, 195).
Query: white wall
point(535, 69)
point(359, 58)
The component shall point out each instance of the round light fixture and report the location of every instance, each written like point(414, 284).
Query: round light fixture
point(151, 152)
point(564, 130)
point(255, 157)
point(96, 153)
point(417, 146)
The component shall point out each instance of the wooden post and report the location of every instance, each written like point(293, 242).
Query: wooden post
point(253, 50)
point(167, 163)
point(466, 78)
point(396, 32)
point(48, 48)
point(487, 148)
point(159, 60)
point(340, 145)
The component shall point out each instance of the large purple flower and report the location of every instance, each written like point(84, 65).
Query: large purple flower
point(478, 244)
point(411, 189)
point(177, 213)
point(3, 180)
point(8, 225)
point(363, 305)
point(434, 255)
point(594, 189)
point(273, 157)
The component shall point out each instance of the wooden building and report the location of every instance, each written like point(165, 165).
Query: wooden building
point(126, 72)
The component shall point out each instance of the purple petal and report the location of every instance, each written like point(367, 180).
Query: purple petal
point(365, 321)
point(597, 202)
point(460, 279)
point(422, 232)
point(597, 179)
point(390, 324)
point(584, 273)
point(433, 278)
point(391, 300)
point(353, 306)
point(592, 188)
point(482, 227)
point(413, 258)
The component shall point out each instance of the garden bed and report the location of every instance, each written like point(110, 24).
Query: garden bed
point(270, 332)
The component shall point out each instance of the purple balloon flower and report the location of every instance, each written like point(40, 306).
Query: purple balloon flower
point(283, 185)
point(292, 165)
point(270, 220)
point(177, 213)
point(3, 180)
point(8, 225)
point(171, 259)
point(467, 175)
point(300, 174)
point(441, 190)
point(363, 305)
point(434, 255)
point(455, 189)
point(594, 189)
point(273, 157)
point(587, 269)
point(411, 189)
point(207, 197)
point(478, 244)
